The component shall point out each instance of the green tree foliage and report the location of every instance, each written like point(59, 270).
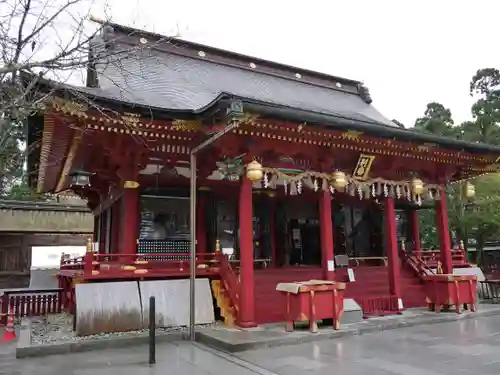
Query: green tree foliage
point(436, 120)
point(474, 222)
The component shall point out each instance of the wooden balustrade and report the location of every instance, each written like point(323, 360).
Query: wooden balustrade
point(378, 306)
point(93, 265)
point(230, 282)
point(457, 255)
point(24, 303)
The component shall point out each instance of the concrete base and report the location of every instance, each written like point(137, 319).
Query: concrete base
point(235, 340)
point(352, 312)
point(25, 349)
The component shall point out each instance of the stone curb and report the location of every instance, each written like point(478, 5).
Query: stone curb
point(25, 349)
point(371, 326)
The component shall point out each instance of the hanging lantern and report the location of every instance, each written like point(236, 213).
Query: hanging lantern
point(469, 190)
point(254, 171)
point(417, 186)
point(80, 178)
point(339, 180)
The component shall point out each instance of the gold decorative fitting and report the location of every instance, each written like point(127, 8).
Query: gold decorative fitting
point(217, 246)
point(128, 268)
point(351, 135)
point(131, 120)
point(69, 107)
point(95, 273)
point(141, 271)
point(130, 185)
point(417, 186)
point(186, 125)
point(254, 171)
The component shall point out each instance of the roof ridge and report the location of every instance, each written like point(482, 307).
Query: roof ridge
point(131, 31)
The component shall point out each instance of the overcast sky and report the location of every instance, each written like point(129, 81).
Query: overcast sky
point(407, 52)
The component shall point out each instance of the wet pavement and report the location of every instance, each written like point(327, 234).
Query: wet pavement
point(463, 347)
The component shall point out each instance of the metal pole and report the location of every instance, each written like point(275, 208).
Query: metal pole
point(192, 224)
point(192, 250)
point(152, 330)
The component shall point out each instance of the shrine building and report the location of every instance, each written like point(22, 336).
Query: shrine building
point(304, 180)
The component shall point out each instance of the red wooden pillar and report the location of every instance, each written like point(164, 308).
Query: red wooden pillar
point(326, 233)
point(391, 244)
point(246, 316)
point(415, 232)
point(272, 229)
point(201, 230)
point(115, 245)
point(443, 232)
point(130, 219)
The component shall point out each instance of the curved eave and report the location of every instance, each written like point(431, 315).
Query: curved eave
point(286, 113)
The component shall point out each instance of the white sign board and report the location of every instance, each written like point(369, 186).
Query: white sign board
point(350, 274)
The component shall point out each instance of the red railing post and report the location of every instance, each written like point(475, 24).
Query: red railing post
point(87, 263)
point(5, 306)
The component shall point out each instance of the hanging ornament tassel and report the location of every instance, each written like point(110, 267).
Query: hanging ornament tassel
point(378, 189)
point(431, 194)
point(332, 190)
point(293, 188)
point(374, 193)
point(266, 180)
point(299, 187)
point(285, 185)
point(398, 192)
point(408, 194)
point(419, 200)
point(315, 184)
point(360, 192)
point(437, 195)
point(324, 184)
point(386, 190)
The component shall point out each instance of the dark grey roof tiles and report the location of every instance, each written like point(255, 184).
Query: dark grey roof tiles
point(172, 82)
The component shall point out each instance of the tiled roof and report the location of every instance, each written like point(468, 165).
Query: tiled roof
point(173, 81)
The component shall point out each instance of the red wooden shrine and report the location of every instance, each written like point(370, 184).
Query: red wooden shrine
point(334, 174)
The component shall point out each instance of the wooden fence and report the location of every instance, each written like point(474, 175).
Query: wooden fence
point(37, 302)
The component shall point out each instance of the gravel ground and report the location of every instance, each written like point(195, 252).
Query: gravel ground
point(58, 328)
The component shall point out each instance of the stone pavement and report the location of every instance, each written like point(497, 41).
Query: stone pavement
point(463, 347)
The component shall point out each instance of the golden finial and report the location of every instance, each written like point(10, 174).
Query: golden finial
point(217, 246)
point(89, 244)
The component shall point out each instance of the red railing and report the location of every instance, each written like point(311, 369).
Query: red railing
point(457, 256)
point(230, 281)
point(93, 265)
point(418, 265)
point(24, 303)
point(378, 306)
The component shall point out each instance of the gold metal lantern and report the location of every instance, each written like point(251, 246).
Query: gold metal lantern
point(469, 190)
point(417, 186)
point(254, 171)
point(339, 180)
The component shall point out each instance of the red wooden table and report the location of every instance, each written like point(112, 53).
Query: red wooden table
point(447, 289)
point(313, 300)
